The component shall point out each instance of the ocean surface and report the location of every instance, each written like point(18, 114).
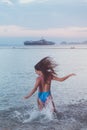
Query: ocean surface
point(17, 78)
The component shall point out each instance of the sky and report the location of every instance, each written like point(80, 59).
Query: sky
point(58, 20)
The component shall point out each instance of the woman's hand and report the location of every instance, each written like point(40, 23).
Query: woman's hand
point(26, 97)
point(72, 74)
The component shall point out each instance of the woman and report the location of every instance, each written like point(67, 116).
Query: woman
point(45, 69)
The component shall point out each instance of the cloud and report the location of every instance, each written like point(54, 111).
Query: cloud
point(30, 1)
point(9, 2)
point(25, 1)
point(18, 31)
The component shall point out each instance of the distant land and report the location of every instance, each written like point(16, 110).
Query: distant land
point(39, 42)
point(73, 43)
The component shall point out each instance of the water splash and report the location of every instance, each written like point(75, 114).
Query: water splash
point(26, 116)
point(74, 118)
point(33, 116)
point(48, 111)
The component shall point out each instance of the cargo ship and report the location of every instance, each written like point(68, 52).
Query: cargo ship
point(39, 42)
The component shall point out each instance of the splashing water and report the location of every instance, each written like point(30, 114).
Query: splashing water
point(33, 116)
point(46, 114)
point(48, 111)
point(74, 118)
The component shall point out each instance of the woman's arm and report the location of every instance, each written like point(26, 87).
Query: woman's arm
point(63, 78)
point(34, 89)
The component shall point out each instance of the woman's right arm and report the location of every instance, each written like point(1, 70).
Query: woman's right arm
point(34, 89)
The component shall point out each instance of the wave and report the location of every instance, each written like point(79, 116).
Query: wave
point(69, 117)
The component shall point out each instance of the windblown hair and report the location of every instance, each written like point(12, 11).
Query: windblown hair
point(47, 67)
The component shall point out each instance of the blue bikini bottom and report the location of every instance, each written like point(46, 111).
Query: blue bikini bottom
point(43, 96)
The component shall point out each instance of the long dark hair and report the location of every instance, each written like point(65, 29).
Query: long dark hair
point(47, 67)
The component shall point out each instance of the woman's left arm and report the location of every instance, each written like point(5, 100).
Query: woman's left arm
point(63, 78)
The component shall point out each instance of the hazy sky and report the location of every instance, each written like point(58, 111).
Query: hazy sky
point(64, 19)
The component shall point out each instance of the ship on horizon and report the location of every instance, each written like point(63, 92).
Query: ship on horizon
point(39, 42)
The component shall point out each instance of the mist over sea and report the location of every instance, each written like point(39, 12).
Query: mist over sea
point(17, 78)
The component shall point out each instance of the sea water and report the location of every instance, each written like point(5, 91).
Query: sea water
point(17, 78)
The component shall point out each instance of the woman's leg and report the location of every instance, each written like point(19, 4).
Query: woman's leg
point(51, 102)
point(40, 104)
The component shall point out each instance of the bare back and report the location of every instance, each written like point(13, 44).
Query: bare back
point(44, 87)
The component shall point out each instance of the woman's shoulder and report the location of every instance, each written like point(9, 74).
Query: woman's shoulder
point(39, 78)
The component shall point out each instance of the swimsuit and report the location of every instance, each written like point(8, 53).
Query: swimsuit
point(43, 96)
